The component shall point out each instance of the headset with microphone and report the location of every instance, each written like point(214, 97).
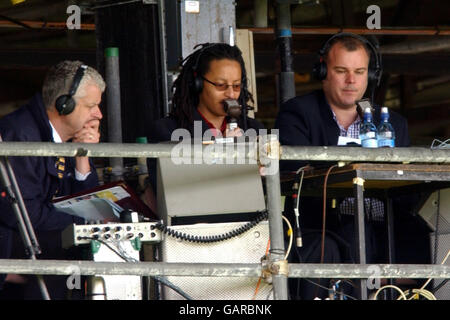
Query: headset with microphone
point(375, 64)
point(65, 104)
point(197, 84)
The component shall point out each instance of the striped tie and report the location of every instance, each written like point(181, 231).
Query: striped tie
point(60, 166)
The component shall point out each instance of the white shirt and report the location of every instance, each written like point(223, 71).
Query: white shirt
point(57, 139)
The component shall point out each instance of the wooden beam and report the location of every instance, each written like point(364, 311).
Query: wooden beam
point(418, 64)
point(393, 31)
point(44, 57)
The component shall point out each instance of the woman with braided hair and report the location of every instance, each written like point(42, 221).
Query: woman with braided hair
point(212, 74)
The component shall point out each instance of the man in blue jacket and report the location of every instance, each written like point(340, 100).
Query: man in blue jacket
point(67, 110)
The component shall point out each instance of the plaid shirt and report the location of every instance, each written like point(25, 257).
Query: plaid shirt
point(373, 208)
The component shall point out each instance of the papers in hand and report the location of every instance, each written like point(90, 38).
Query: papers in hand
point(95, 209)
point(96, 206)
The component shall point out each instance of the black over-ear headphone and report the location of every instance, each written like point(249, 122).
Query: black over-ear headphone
point(374, 72)
point(198, 80)
point(65, 104)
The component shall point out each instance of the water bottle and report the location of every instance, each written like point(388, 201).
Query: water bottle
point(368, 131)
point(386, 135)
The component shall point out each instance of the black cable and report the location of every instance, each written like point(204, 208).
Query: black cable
point(436, 232)
point(169, 284)
point(436, 241)
point(15, 21)
point(443, 283)
point(215, 238)
point(106, 244)
point(163, 280)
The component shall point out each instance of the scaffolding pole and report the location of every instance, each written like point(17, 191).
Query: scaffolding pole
point(164, 150)
point(270, 150)
point(296, 270)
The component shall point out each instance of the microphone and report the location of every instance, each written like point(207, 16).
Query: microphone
point(233, 110)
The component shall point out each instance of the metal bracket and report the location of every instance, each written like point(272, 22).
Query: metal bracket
point(280, 267)
point(270, 148)
point(266, 274)
point(270, 268)
point(359, 181)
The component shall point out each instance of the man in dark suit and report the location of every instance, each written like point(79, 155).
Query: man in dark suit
point(348, 66)
point(67, 110)
point(320, 118)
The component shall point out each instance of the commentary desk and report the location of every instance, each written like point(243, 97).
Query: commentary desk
point(379, 180)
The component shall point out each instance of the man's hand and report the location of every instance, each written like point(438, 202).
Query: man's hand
point(89, 133)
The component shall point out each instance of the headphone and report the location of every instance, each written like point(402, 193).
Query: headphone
point(65, 104)
point(374, 72)
point(198, 80)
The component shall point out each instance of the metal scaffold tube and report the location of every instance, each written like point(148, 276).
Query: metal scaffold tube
point(114, 107)
point(135, 150)
point(278, 265)
point(296, 270)
point(405, 155)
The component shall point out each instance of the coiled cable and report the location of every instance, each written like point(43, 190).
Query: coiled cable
point(262, 215)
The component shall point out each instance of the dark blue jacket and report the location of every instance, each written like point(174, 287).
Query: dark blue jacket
point(37, 176)
point(308, 121)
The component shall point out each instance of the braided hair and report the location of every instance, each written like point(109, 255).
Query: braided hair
point(186, 95)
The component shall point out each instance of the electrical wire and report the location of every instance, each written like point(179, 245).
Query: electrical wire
point(215, 238)
point(413, 293)
point(429, 280)
point(107, 245)
point(389, 286)
point(440, 144)
point(299, 241)
point(113, 4)
point(291, 237)
point(338, 292)
point(324, 215)
point(260, 278)
point(420, 292)
point(443, 283)
point(131, 259)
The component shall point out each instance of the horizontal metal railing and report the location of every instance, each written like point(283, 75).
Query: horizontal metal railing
point(296, 270)
point(250, 151)
point(136, 150)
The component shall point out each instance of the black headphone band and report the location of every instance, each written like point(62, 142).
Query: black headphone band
point(204, 47)
point(376, 54)
point(77, 79)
